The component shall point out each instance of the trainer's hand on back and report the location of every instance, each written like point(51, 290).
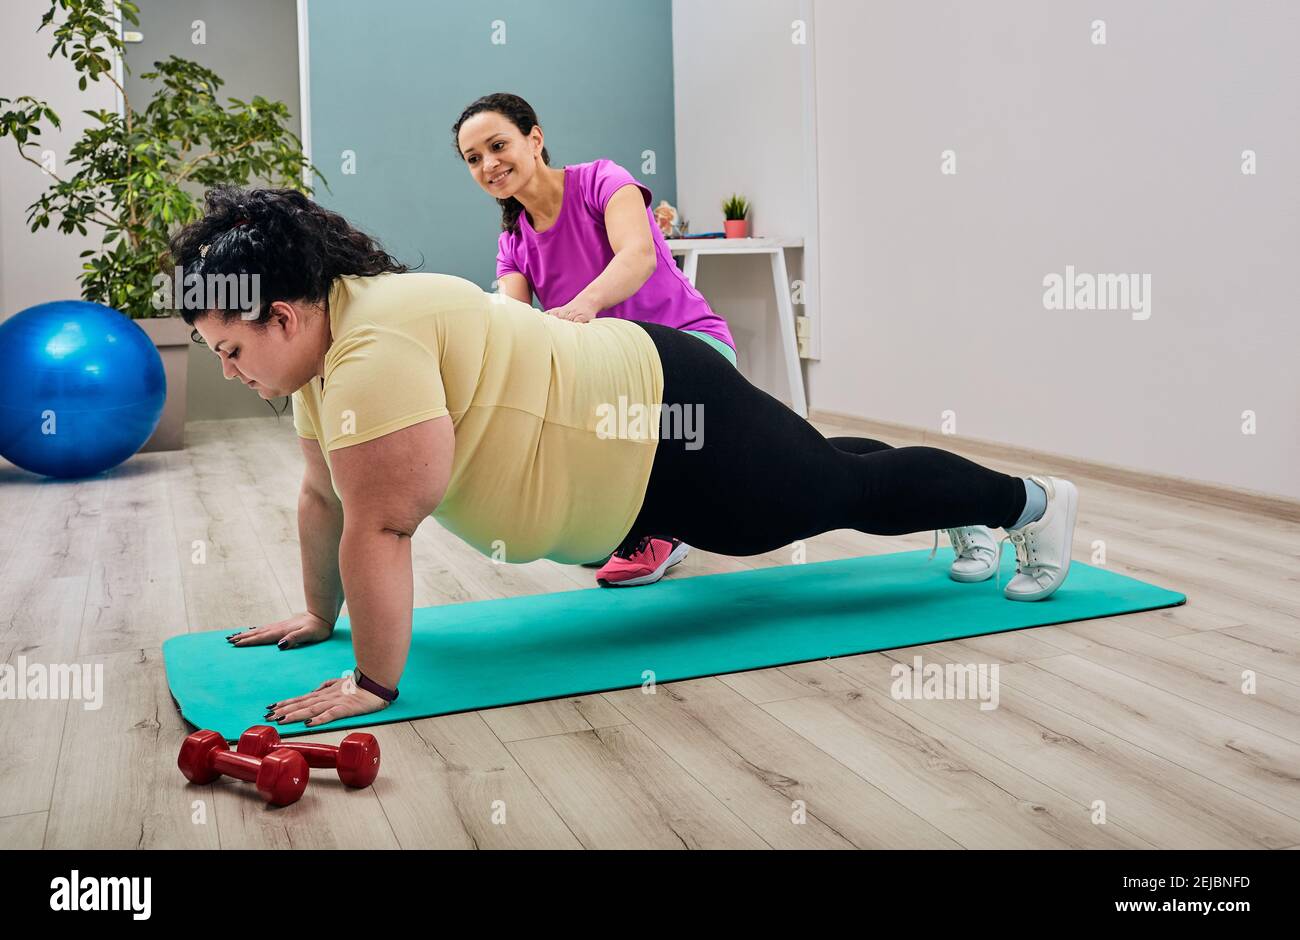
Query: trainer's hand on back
point(298, 630)
point(574, 311)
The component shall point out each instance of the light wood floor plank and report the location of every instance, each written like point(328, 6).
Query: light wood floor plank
point(759, 768)
point(1267, 651)
point(557, 716)
point(117, 785)
point(496, 803)
point(136, 599)
point(1257, 764)
point(616, 790)
point(42, 634)
point(977, 802)
point(1149, 796)
point(1195, 676)
point(22, 832)
point(42, 603)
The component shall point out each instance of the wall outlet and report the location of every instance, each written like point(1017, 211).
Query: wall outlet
point(802, 333)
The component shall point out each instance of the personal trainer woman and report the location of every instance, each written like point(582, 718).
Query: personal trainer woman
point(584, 239)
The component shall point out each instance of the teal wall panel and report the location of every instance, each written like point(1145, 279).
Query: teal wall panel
point(389, 78)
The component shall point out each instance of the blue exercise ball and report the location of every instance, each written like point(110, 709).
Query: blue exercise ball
point(81, 388)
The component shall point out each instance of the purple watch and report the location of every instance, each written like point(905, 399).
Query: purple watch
point(374, 688)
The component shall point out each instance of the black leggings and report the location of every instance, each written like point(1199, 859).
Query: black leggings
point(755, 476)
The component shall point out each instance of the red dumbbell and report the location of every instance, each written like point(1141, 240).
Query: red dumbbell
point(281, 775)
point(356, 759)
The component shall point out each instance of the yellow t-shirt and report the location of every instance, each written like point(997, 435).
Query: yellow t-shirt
point(550, 462)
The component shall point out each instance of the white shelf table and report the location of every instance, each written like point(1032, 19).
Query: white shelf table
point(692, 248)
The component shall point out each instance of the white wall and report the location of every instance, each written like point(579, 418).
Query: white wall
point(35, 268)
point(738, 100)
point(1116, 158)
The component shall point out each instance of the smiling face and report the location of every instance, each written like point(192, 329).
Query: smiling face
point(276, 358)
point(500, 158)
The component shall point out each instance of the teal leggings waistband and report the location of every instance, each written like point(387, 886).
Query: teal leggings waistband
point(719, 345)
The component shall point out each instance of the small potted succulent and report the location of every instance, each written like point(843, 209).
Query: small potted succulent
point(735, 210)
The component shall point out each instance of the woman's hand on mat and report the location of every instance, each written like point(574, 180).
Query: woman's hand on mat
point(298, 630)
point(333, 699)
point(579, 313)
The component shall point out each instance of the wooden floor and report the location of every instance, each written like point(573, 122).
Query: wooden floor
point(1143, 714)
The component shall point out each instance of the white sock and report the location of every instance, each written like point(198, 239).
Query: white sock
point(1035, 504)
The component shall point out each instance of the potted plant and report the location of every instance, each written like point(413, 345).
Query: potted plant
point(734, 210)
point(137, 174)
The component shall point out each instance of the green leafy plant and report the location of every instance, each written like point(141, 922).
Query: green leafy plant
point(128, 172)
point(735, 208)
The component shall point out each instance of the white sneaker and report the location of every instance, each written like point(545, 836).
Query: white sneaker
point(975, 549)
point(1043, 547)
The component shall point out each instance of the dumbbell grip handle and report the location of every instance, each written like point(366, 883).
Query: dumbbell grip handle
point(239, 766)
point(315, 753)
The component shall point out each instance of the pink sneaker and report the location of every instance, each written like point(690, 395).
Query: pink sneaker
point(643, 562)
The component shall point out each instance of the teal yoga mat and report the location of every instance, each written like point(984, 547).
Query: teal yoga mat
point(522, 649)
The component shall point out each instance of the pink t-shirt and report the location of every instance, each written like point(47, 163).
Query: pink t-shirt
point(560, 262)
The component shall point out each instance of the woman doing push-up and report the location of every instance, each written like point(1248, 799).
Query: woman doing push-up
point(530, 436)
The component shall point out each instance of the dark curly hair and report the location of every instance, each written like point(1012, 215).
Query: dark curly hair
point(521, 114)
point(295, 248)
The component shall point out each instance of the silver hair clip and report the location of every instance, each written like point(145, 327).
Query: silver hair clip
point(203, 249)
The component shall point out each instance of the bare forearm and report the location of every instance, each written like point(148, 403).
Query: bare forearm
point(622, 278)
point(376, 567)
point(320, 529)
